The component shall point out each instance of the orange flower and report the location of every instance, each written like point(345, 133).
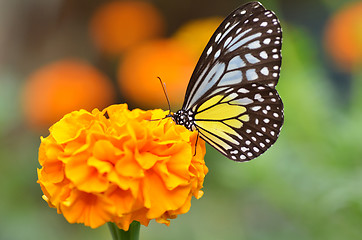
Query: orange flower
point(343, 36)
point(62, 87)
point(119, 25)
point(120, 168)
point(166, 58)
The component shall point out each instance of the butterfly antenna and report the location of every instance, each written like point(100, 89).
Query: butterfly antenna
point(165, 92)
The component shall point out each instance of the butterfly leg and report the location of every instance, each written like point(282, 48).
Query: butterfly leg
point(197, 139)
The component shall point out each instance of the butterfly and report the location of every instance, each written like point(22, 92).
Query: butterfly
point(231, 98)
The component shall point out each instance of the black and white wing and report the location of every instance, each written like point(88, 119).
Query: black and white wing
point(245, 48)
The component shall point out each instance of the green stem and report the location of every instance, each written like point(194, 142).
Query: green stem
point(133, 232)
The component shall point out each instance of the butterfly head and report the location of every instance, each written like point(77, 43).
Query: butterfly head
point(185, 118)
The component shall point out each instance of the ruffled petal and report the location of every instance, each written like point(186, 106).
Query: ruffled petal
point(120, 168)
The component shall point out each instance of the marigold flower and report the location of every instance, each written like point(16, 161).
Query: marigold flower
point(119, 25)
point(166, 58)
point(343, 36)
point(63, 86)
point(118, 166)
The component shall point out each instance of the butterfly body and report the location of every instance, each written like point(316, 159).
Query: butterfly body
point(185, 118)
point(231, 98)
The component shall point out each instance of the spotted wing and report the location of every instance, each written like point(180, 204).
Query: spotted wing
point(242, 122)
point(246, 48)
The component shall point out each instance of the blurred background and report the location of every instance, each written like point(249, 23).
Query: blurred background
point(57, 56)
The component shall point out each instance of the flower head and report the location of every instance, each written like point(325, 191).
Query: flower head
point(61, 87)
point(343, 36)
point(119, 25)
point(118, 166)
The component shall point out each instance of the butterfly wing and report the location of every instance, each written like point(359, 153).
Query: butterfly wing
point(241, 123)
point(232, 90)
point(245, 48)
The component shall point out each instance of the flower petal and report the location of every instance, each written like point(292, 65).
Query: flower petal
point(120, 168)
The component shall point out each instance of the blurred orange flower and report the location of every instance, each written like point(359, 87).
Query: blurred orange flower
point(197, 33)
point(62, 87)
point(119, 25)
point(117, 166)
point(343, 36)
point(165, 58)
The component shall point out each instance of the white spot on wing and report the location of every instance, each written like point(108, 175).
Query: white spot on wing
point(217, 54)
point(209, 50)
point(256, 108)
point(263, 55)
point(244, 149)
point(251, 59)
point(243, 90)
point(251, 74)
point(267, 41)
point(265, 71)
point(218, 37)
point(254, 45)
